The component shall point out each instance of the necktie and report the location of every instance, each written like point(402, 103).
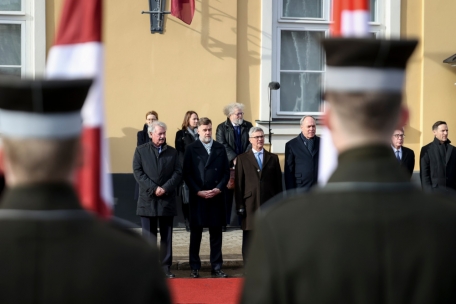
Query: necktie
point(397, 155)
point(159, 150)
point(258, 157)
point(310, 145)
point(238, 130)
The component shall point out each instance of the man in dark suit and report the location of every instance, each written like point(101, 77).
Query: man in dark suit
point(301, 157)
point(404, 155)
point(53, 251)
point(438, 161)
point(206, 172)
point(369, 235)
point(258, 178)
point(233, 134)
point(158, 171)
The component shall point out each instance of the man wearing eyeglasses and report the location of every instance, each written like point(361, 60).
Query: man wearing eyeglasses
point(258, 178)
point(404, 155)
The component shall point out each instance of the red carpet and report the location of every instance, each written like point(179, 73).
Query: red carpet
point(205, 290)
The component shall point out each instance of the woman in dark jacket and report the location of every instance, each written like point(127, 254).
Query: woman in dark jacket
point(184, 137)
point(143, 137)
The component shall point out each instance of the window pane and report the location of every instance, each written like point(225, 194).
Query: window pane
point(10, 5)
point(11, 72)
point(301, 50)
point(373, 10)
point(300, 92)
point(302, 8)
point(10, 44)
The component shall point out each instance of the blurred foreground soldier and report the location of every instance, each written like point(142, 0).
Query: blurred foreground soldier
point(258, 179)
point(233, 134)
point(369, 236)
point(51, 250)
point(158, 171)
point(206, 173)
point(404, 155)
point(301, 157)
point(438, 161)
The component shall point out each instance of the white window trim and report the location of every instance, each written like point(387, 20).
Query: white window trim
point(33, 46)
point(388, 14)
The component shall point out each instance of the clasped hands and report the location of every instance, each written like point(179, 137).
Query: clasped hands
point(159, 191)
point(209, 193)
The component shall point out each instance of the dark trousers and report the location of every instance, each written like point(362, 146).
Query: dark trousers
point(246, 234)
point(149, 231)
point(215, 239)
point(228, 205)
point(186, 212)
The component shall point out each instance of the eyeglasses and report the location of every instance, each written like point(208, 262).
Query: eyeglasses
point(399, 135)
point(257, 137)
point(239, 114)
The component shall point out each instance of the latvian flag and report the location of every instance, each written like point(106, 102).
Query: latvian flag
point(350, 18)
point(78, 53)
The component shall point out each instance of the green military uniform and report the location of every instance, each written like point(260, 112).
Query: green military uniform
point(368, 237)
point(52, 251)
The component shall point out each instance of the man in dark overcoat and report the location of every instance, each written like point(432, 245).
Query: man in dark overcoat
point(158, 171)
point(53, 251)
point(369, 235)
point(301, 157)
point(404, 155)
point(258, 179)
point(233, 134)
point(438, 161)
point(206, 172)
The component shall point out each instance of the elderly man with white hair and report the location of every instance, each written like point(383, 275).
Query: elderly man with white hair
point(233, 134)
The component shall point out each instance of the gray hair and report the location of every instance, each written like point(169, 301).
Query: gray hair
point(156, 123)
point(229, 109)
point(304, 117)
point(255, 129)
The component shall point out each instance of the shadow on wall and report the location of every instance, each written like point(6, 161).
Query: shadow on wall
point(122, 150)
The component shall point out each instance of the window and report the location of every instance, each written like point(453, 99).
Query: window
point(22, 37)
point(298, 60)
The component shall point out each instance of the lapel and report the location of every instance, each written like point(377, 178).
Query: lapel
point(201, 152)
point(448, 153)
point(253, 161)
point(316, 146)
point(266, 157)
point(215, 153)
point(302, 146)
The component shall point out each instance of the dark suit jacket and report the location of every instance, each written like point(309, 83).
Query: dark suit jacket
point(438, 167)
point(370, 236)
point(183, 139)
point(408, 159)
point(143, 136)
point(301, 166)
point(152, 170)
point(206, 172)
point(253, 187)
point(50, 257)
point(225, 136)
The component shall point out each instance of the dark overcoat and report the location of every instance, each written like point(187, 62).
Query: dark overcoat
point(206, 172)
point(254, 187)
point(408, 160)
point(301, 165)
point(225, 136)
point(152, 170)
point(370, 236)
point(54, 252)
point(183, 139)
point(438, 167)
point(143, 136)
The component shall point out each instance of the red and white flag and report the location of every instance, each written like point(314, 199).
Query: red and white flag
point(183, 9)
point(350, 19)
point(78, 53)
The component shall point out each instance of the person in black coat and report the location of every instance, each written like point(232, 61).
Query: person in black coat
point(405, 156)
point(157, 169)
point(233, 134)
point(438, 161)
point(54, 251)
point(301, 157)
point(206, 172)
point(184, 137)
point(143, 137)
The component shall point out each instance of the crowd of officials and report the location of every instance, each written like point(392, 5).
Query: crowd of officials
point(368, 236)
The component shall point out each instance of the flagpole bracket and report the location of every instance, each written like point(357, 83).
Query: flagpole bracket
point(156, 13)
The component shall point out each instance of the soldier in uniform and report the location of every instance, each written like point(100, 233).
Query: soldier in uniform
point(53, 251)
point(368, 236)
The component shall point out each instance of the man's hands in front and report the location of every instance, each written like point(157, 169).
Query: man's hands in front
point(209, 193)
point(159, 191)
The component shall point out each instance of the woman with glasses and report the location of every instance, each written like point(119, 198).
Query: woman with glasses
point(143, 136)
point(184, 137)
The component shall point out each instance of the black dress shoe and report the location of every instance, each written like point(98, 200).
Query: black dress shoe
point(218, 274)
point(195, 273)
point(169, 275)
